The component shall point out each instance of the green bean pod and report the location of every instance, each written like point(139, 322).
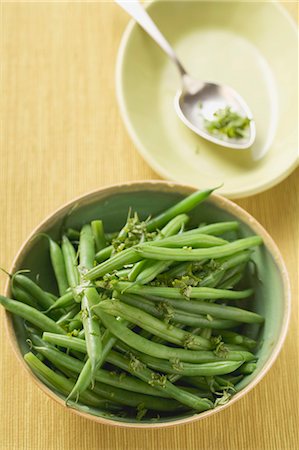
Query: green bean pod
point(176, 293)
point(23, 296)
point(138, 369)
point(171, 228)
point(186, 254)
point(145, 401)
point(230, 282)
point(247, 368)
point(163, 311)
point(58, 265)
point(40, 296)
point(65, 318)
point(71, 268)
point(212, 309)
point(235, 338)
point(61, 383)
point(104, 254)
point(182, 207)
point(144, 345)
point(209, 366)
point(122, 381)
point(72, 234)
point(31, 314)
point(153, 325)
point(98, 234)
point(117, 261)
point(89, 300)
point(63, 302)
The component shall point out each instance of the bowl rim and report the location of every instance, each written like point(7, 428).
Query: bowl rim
point(143, 148)
point(158, 186)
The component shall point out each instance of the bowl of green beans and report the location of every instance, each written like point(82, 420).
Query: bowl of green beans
point(147, 304)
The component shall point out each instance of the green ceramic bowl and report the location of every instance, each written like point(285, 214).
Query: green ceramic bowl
point(111, 204)
point(231, 42)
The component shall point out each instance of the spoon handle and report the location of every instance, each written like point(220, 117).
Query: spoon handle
point(136, 10)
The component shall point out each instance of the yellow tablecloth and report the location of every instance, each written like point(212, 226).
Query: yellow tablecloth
point(63, 136)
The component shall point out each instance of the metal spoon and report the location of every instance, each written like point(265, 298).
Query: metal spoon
point(197, 100)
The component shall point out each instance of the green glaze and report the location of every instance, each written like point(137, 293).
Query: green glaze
point(152, 198)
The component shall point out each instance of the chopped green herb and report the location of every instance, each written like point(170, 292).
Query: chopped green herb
point(228, 123)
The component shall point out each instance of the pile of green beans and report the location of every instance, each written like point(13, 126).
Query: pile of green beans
point(152, 321)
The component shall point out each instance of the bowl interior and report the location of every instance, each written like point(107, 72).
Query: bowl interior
point(112, 208)
point(215, 42)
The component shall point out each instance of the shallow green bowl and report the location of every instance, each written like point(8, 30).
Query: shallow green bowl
point(111, 204)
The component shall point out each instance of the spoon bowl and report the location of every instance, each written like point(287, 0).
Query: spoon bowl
point(197, 102)
point(210, 96)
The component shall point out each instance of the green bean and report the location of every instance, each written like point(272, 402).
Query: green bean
point(216, 228)
point(223, 383)
point(52, 296)
point(89, 299)
point(65, 318)
point(231, 282)
point(234, 271)
point(181, 207)
point(43, 299)
point(122, 381)
point(58, 265)
point(176, 366)
point(98, 234)
point(179, 270)
point(150, 270)
point(199, 382)
point(72, 234)
point(161, 311)
point(205, 333)
point(215, 367)
point(63, 302)
point(117, 261)
point(233, 379)
point(91, 326)
point(123, 273)
point(212, 309)
point(125, 398)
point(187, 240)
point(86, 248)
point(30, 314)
point(171, 228)
point(182, 254)
point(144, 345)
point(104, 254)
point(212, 280)
point(137, 369)
point(239, 339)
point(61, 383)
point(61, 360)
point(155, 326)
point(176, 293)
point(154, 268)
point(22, 296)
point(247, 368)
point(70, 342)
point(228, 263)
point(108, 342)
point(75, 325)
point(71, 267)
point(148, 250)
point(85, 378)
point(130, 255)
